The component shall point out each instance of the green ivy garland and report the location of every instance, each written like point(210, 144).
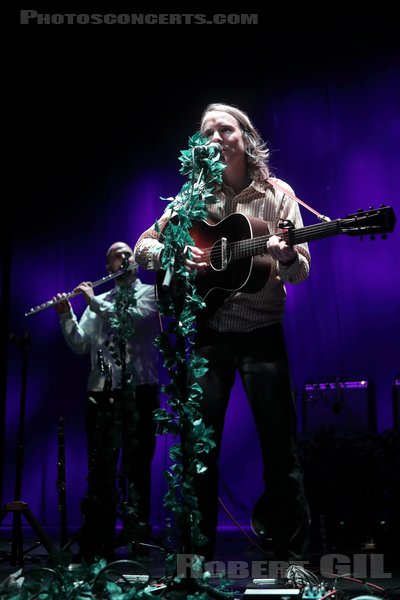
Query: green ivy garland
point(183, 418)
point(122, 330)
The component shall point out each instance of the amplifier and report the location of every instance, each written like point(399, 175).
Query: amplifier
point(396, 402)
point(347, 404)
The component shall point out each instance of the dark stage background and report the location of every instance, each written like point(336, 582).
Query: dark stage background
point(101, 118)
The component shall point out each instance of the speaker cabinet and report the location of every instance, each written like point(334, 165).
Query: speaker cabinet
point(342, 403)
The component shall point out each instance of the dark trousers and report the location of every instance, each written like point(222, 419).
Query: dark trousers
point(121, 442)
point(260, 358)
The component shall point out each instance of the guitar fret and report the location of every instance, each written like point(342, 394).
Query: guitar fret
point(251, 247)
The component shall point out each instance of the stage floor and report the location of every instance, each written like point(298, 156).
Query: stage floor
point(238, 557)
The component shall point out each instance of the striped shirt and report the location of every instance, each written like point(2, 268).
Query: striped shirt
point(243, 312)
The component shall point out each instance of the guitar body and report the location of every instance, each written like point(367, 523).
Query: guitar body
point(215, 284)
point(248, 274)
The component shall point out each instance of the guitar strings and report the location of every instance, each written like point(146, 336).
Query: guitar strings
point(245, 248)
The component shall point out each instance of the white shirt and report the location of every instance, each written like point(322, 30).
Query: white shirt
point(93, 332)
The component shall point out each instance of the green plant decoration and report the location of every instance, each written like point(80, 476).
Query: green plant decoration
point(181, 305)
point(122, 330)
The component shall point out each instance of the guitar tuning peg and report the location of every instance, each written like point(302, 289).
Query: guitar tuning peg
point(382, 205)
point(372, 237)
point(359, 210)
point(371, 208)
point(384, 236)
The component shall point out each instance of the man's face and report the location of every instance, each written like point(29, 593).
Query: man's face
point(117, 255)
point(220, 127)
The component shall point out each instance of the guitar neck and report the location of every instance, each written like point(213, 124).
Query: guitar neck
point(312, 232)
point(257, 246)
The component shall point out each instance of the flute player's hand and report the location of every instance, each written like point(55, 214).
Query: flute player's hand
point(61, 307)
point(86, 289)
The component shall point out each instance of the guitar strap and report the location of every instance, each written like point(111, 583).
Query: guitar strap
point(293, 197)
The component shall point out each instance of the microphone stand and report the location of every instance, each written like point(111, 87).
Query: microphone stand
point(17, 507)
point(62, 484)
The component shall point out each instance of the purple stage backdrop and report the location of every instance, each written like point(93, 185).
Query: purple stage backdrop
point(99, 149)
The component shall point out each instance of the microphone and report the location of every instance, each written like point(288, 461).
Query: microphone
point(208, 149)
point(125, 260)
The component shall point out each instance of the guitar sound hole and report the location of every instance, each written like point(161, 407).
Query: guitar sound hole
point(216, 256)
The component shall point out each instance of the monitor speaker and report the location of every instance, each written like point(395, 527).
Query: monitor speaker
point(342, 403)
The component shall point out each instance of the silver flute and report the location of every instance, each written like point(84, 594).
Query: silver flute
point(49, 303)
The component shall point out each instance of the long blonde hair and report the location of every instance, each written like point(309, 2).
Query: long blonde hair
point(256, 150)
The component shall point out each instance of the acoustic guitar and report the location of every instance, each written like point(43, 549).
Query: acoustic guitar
point(235, 248)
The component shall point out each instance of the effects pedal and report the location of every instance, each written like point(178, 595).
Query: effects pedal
point(273, 589)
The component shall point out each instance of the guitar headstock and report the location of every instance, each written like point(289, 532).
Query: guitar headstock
point(369, 222)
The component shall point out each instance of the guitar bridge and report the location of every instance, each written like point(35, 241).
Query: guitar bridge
point(224, 253)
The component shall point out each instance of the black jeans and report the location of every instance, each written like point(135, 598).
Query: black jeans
point(120, 433)
point(261, 359)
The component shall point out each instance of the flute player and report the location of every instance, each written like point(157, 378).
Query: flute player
point(116, 422)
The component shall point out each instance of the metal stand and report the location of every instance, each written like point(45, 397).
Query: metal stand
point(17, 507)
